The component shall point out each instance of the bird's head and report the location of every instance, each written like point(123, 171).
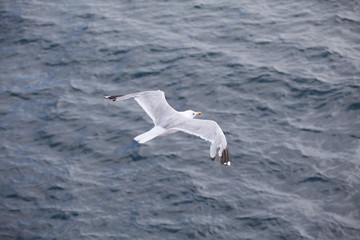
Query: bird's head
point(191, 113)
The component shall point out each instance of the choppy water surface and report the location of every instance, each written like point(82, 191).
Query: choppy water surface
point(282, 78)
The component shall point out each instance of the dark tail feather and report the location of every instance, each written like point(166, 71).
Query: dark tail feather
point(225, 157)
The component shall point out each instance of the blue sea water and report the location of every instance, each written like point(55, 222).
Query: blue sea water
point(282, 79)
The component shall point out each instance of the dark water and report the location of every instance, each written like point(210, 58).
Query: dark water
point(282, 78)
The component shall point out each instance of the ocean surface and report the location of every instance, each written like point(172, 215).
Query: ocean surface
point(282, 79)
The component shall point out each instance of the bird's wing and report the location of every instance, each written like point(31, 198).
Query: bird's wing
point(153, 103)
point(208, 130)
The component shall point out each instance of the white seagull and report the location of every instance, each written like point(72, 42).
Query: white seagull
point(168, 121)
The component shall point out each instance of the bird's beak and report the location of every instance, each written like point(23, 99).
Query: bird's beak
point(198, 113)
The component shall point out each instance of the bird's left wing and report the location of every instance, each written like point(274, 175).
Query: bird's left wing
point(208, 130)
point(153, 103)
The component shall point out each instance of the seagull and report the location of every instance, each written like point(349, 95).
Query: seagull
point(169, 121)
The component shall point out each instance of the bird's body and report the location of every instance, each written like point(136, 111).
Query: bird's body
point(168, 121)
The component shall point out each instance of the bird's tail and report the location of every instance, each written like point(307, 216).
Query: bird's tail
point(149, 135)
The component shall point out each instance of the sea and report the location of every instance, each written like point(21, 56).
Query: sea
point(280, 77)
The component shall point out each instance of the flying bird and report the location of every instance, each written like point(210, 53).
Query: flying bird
point(169, 121)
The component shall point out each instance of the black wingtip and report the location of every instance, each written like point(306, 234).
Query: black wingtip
point(113, 98)
point(225, 157)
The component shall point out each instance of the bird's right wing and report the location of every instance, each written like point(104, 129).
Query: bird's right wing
point(153, 103)
point(208, 130)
